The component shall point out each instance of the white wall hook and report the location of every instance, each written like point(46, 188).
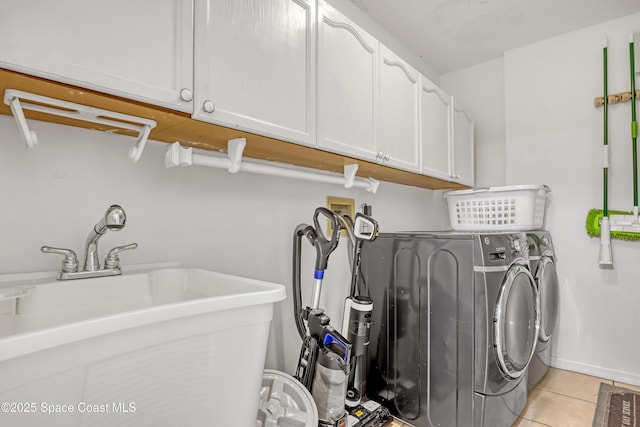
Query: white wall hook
point(179, 156)
point(235, 148)
point(16, 100)
point(136, 151)
point(350, 175)
point(28, 136)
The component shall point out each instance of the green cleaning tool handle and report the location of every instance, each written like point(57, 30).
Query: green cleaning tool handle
point(605, 166)
point(634, 124)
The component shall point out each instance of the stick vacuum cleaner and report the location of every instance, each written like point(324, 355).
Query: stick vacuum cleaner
point(358, 308)
point(325, 356)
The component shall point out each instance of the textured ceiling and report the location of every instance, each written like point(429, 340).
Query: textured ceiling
point(454, 34)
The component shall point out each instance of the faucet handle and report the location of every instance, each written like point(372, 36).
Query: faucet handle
point(112, 260)
point(70, 262)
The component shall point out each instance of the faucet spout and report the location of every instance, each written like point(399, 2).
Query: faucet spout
point(113, 219)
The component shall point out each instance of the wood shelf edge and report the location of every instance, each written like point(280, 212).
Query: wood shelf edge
point(176, 126)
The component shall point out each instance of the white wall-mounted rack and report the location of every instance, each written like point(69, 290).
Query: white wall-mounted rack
point(18, 101)
point(181, 156)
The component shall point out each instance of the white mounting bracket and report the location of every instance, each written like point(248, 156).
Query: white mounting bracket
point(16, 100)
point(350, 175)
point(180, 156)
point(373, 185)
point(235, 148)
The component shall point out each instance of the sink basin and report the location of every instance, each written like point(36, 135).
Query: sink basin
point(140, 341)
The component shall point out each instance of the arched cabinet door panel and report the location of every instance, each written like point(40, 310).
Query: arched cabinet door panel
point(398, 139)
point(142, 50)
point(255, 66)
point(348, 85)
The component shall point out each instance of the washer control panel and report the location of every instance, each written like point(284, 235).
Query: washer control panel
point(504, 248)
point(539, 243)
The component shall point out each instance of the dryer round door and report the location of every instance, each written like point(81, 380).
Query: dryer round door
point(516, 322)
point(547, 281)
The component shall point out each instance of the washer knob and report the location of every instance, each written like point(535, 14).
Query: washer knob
point(516, 245)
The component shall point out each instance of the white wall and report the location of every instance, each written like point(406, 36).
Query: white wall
point(479, 90)
point(239, 224)
point(554, 136)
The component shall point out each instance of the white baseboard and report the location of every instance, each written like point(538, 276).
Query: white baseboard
point(596, 371)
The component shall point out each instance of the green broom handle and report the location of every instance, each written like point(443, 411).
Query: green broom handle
point(634, 123)
point(606, 133)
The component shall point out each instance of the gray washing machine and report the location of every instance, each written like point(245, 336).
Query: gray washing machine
point(456, 322)
point(542, 262)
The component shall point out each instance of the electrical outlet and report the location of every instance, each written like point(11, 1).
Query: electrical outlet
point(341, 206)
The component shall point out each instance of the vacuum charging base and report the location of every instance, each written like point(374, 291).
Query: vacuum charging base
point(369, 414)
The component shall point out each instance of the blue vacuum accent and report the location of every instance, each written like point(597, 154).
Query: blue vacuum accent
point(318, 274)
point(329, 339)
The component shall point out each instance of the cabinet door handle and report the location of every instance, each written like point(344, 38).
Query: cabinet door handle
point(186, 95)
point(208, 106)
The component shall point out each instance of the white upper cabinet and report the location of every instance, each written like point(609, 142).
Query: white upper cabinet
point(398, 136)
point(255, 64)
point(136, 49)
point(463, 148)
point(435, 122)
point(348, 85)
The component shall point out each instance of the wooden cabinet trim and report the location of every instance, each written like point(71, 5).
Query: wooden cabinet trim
point(176, 126)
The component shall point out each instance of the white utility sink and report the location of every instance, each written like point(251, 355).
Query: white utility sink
point(160, 347)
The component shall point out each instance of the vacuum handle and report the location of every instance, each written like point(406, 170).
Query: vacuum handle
point(321, 330)
point(325, 245)
point(333, 341)
point(365, 227)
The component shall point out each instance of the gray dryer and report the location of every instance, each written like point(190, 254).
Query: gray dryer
point(542, 262)
point(455, 326)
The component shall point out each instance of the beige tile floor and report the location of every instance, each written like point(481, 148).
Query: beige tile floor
point(561, 399)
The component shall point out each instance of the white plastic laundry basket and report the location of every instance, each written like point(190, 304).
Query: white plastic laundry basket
point(519, 207)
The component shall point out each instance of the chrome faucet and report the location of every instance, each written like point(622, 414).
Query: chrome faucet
point(114, 219)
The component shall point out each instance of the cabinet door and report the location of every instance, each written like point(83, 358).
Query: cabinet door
point(348, 78)
point(399, 92)
point(141, 50)
point(435, 122)
point(255, 66)
point(463, 148)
